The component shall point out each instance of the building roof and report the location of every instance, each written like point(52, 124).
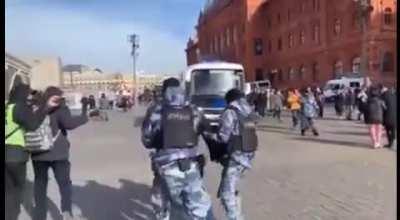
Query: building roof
point(14, 59)
point(75, 68)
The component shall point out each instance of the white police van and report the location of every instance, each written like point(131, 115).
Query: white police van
point(335, 86)
point(206, 84)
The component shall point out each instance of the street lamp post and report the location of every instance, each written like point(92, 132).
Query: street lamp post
point(364, 9)
point(134, 40)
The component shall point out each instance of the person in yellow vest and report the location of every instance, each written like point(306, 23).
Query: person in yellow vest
point(293, 101)
point(20, 117)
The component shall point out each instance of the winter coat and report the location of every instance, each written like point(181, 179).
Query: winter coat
point(60, 119)
point(374, 111)
point(309, 107)
point(390, 114)
point(293, 101)
point(26, 118)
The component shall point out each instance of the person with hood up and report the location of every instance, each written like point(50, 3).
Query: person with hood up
point(57, 158)
point(176, 156)
point(20, 118)
point(237, 131)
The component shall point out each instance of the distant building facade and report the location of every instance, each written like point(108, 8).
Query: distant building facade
point(46, 72)
point(16, 71)
point(296, 43)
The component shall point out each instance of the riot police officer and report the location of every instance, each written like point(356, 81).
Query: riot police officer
point(172, 128)
point(237, 130)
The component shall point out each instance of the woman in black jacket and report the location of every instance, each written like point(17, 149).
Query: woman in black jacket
point(57, 159)
point(374, 116)
point(19, 113)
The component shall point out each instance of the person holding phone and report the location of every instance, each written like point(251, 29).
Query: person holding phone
point(20, 118)
point(61, 120)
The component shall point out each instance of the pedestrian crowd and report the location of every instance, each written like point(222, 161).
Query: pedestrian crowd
point(37, 126)
point(375, 105)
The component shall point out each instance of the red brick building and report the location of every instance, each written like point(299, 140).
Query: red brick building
point(297, 42)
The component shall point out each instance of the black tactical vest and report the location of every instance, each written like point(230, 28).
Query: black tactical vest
point(247, 140)
point(178, 127)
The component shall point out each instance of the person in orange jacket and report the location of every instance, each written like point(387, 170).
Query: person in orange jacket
point(294, 106)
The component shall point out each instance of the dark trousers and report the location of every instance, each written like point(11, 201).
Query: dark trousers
point(15, 177)
point(321, 111)
point(391, 134)
point(277, 113)
point(295, 117)
point(61, 171)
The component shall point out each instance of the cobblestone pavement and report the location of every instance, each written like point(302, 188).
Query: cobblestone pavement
point(333, 176)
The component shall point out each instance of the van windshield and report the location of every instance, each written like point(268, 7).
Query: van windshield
point(215, 82)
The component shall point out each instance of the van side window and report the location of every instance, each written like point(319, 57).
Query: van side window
point(354, 84)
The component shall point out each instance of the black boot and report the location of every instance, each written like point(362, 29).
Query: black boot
point(315, 132)
point(303, 132)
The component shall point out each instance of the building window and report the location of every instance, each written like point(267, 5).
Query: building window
point(279, 18)
point(234, 33)
point(302, 72)
point(291, 40)
point(388, 62)
point(337, 29)
point(221, 43)
point(356, 63)
point(269, 46)
point(302, 37)
point(280, 75)
point(291, 74)
point(280, 44)
point(315, 5)
point(259, 74)
point(338, 69)
point(315, 69)
point(268, 23)
point(388, 16)
point(303, 6)
point(216, 46)
point(258, 46)
point(316, 35)
point(228, 38)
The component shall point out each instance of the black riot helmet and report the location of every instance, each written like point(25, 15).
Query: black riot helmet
point(233, 94)
point(170, 82)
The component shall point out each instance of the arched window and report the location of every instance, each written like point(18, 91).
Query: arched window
point(228, 37)
point(316, 35)
point(280, 44)
point(387, 62)
point(302, 72)
point(315, 69)
point(302, 37)
point(280, 77)
point(291, 40)
point(356, 63)
point(338, 68)
point(234, 33)
point(291, 74)
point(388, 16)
point(216, 46)
point(222, 42)
point(337, 27)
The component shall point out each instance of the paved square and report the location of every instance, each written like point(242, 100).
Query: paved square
point(333, 176)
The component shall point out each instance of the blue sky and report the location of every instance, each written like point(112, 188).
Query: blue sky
point(94, 32)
